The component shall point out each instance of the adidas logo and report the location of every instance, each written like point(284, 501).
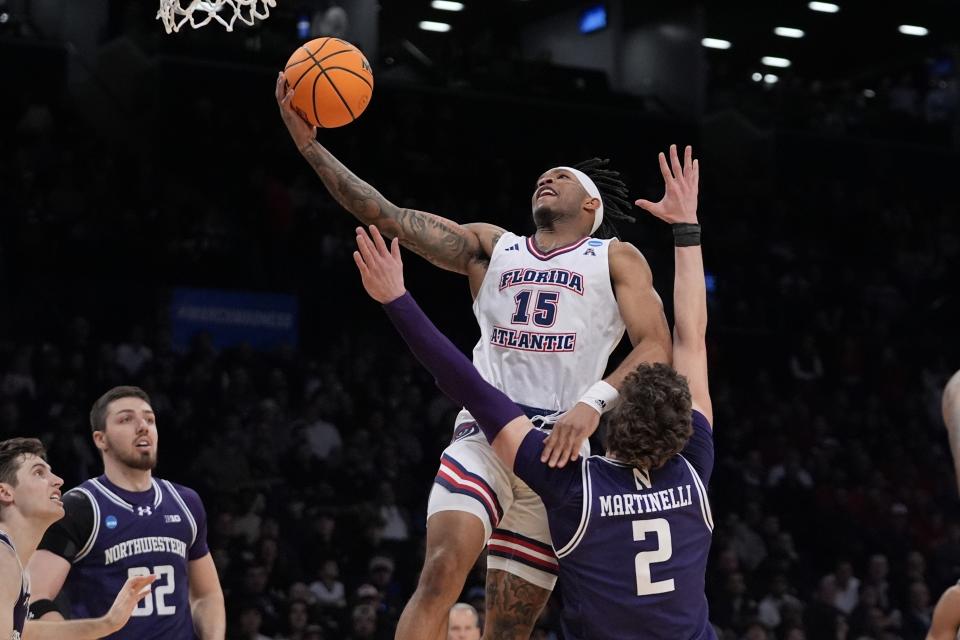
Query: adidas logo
point(515, 247)
point(589, 252)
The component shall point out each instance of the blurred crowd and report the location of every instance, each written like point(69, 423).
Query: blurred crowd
point(833, 313)
point(919, 104)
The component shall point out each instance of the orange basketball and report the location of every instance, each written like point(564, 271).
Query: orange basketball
point(332, 82)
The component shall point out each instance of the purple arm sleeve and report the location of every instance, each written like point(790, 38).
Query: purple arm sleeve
point(555, 486)
point(455, 375)
point(195, 504)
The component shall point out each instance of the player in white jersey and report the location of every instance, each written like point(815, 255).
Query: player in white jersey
point(551, 308)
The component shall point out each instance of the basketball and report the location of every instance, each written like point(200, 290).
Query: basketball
point(331, 80)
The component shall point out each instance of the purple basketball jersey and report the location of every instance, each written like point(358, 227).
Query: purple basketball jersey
point(21, 609)
point(140, 533)
point(632, 544)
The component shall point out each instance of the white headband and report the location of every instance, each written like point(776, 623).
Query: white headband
point(592, 190)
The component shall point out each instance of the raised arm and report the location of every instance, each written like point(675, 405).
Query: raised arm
point(460, 248)
point(509, 431)
point(381, 269)
point(679, 207)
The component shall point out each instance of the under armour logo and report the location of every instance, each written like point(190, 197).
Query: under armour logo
point(515, 247)
point(589, 252)
point(144, 511)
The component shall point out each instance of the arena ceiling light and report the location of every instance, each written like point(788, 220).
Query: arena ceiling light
point(430, 25)
point(715, 43)
point(771, 78)
point(757, 76)
point(824, 7)
point(789, 32)
point(913, 30)
point(447, 5)
point(774, 61)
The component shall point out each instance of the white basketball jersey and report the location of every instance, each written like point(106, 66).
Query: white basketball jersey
point(548, 321)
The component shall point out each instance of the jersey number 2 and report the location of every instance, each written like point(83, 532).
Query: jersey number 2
point(158, 592)
point(645, 584)
point(544, 313)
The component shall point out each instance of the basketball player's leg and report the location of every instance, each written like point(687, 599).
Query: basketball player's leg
point(470, 494)
point(454, 541)
point(513, 606)
point(521, 566)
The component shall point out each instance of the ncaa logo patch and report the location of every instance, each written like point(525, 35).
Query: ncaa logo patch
point(111, 522)
point(595, 243)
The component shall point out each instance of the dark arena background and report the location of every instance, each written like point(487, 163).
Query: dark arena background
point(158, 228)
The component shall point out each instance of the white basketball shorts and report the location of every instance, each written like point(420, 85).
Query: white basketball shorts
point(472, 479)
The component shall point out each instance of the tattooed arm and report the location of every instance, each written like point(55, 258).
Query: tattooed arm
point(443, 242)
point(460, 248)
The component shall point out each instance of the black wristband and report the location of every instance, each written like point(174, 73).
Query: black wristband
point(40, 608)
point(686, 235)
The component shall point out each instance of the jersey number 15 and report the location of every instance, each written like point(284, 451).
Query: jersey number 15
point(544, 312)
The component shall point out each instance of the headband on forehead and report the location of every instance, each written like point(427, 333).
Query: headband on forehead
point(591, 188)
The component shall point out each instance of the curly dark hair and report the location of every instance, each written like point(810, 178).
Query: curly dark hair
point(654, 419)
point(613, 193)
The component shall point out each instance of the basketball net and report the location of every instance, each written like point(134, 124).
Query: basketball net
point(198, 13)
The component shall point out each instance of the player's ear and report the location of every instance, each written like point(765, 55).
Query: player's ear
point(99, 439)
point(591, 204)
point(6, 494)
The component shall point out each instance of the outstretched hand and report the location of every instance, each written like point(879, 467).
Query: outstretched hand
point(300, 130)
point(679, 201)
point(134, 590)
point(381, 269)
